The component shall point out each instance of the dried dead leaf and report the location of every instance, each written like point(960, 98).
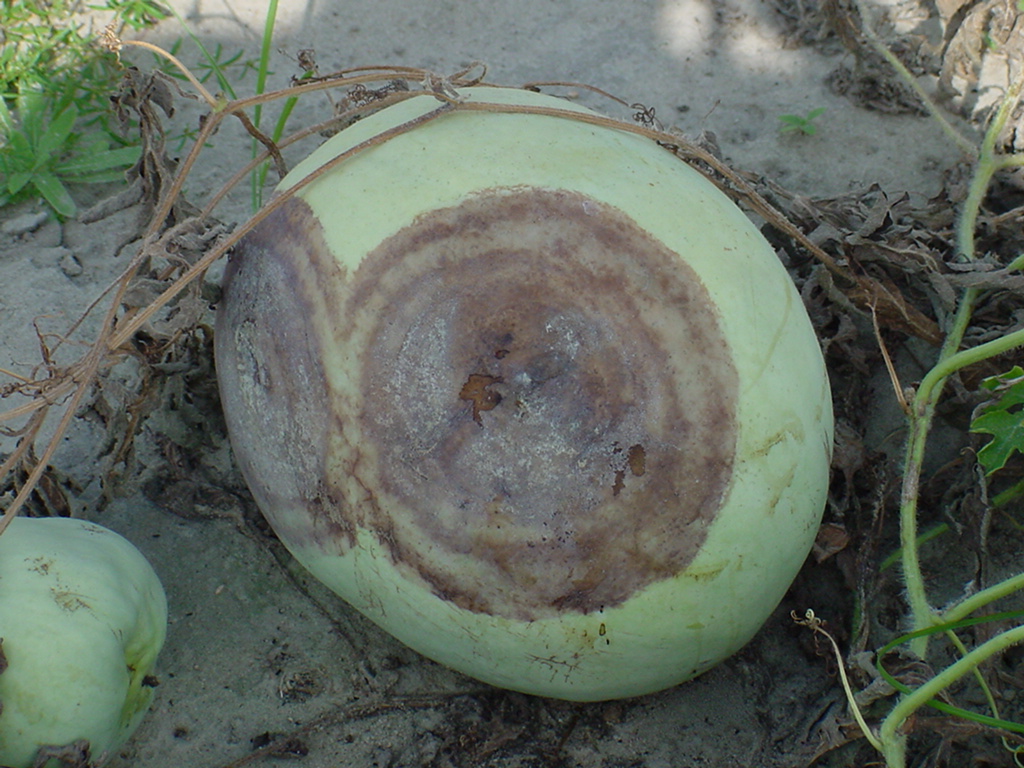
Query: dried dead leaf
point(882, 296)
point(832, 538)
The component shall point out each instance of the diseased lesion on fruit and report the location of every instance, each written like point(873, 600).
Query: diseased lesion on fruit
point(619, 484)
point(529, 355)
point(478, 392)
point(636, 462)
point(281, 281)
point(792, 429)
point(557, 368)
point(41, 565)
point(68, 600)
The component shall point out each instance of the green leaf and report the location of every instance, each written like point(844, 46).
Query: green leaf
point(17, 181)
point(6, 121)
point(1003, 419)
point(31, 106)
point(1009, 382)
point(54, 139)
point(100, 177)
point(55, 194)
point(1007, 430)
point(137, 14)
point(97, 162)
point(18, 145)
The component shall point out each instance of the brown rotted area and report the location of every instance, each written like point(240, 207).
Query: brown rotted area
point(549, 399)
point(531, 404)
point(274, 389)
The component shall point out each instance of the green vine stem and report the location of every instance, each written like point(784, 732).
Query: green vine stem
point(1004, 497)
point(922, 614)
point(989, 162)
point(882, 49)
point(950, 360)
point(933, 380)
point(979, 678)
point(922, 412)
point(893, 742)
point(969, 605)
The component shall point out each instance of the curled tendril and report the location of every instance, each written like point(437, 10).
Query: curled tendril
point(645, 116)
point(817, 625)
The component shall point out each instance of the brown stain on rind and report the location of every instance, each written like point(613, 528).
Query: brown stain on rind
point(637, 460)
point(477, 391)
point(545, 412)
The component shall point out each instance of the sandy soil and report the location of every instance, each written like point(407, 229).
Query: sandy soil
point(261, 656)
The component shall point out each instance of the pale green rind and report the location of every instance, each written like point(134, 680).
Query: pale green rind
point(82, 617)
point(678, 627)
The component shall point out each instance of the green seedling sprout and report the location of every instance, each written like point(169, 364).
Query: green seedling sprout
point(801, 124)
